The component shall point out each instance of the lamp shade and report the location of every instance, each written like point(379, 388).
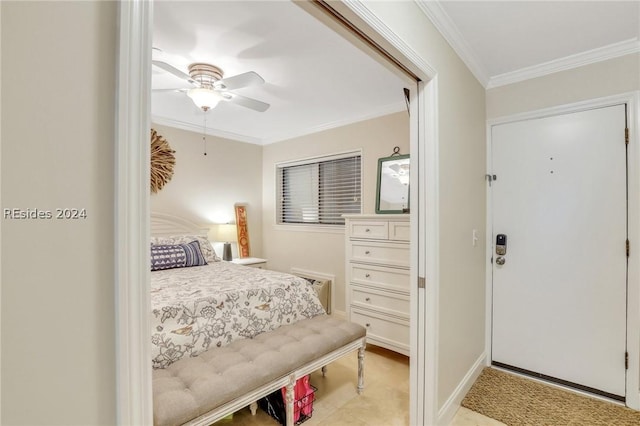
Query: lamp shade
point(204, 98)
point(226, 233)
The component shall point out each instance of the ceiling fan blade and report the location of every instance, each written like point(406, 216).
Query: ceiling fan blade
point(246, 102)
point(237, 81)
point(175, 71)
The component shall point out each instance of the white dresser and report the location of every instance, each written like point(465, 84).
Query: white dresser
point(377, 277)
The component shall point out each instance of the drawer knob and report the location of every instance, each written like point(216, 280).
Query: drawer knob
point(368, 299)
point(367, 325)
point(367, 252)
point(367, 230)
point(367, 275)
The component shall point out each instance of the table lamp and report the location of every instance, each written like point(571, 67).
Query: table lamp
point(227, 233)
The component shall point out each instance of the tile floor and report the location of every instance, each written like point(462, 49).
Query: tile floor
point(384, 402)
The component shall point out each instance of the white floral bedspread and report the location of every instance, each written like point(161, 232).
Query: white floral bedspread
point(197, 308)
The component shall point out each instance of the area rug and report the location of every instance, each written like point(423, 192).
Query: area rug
point(517, 401)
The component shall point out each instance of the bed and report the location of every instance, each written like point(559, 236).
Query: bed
point(205, 302)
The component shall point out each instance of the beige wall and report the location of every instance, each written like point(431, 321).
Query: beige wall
point(619, 75)
point(58, 103)
point(204, 189)
point(461, 125)
point(324, 251)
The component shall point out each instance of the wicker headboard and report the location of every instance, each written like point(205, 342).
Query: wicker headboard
point(163, 224)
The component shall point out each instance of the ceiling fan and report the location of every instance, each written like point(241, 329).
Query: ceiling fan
point(209, 87)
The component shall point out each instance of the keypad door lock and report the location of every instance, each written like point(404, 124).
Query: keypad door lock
point(501, 244)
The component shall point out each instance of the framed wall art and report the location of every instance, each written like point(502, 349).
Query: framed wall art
point(243, 231)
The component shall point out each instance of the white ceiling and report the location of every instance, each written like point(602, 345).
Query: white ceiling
point(316, 80)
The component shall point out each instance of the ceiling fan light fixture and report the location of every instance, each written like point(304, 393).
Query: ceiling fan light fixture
point(204, 98)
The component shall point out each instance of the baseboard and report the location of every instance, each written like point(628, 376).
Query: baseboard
point(451, 406)
point(634, 403)
point(339, 314)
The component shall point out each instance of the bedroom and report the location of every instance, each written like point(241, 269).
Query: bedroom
point(243, 146)
point(82, 389)
point(300, 70)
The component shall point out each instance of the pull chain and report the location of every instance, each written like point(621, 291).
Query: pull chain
point(204, 133)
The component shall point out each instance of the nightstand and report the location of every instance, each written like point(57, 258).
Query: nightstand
point(253, 262)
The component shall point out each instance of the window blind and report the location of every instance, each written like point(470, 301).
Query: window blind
point(319, 192)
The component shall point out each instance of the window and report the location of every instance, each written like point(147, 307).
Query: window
point(320, 190)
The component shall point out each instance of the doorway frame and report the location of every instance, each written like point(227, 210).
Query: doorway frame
point(632, 99)
point(132, 223)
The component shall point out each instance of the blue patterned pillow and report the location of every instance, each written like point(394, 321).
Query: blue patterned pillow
point(176, 256)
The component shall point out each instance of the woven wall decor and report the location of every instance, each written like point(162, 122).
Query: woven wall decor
point(162, 162)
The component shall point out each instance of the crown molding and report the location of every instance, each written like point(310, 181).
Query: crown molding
point(436, 14)
point(179, 124)
point(593, 56)
point(443, 23)
point(380, 112)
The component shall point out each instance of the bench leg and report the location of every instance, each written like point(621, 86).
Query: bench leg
point(253, 407)
point(361, 367)
point(289, 400)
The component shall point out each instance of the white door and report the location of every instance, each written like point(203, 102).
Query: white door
point(559, 299)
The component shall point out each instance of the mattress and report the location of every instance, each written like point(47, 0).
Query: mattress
point(197, 308)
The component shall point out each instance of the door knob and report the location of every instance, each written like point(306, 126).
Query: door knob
point(500, 260)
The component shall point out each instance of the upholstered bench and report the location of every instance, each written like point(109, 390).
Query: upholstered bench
point(220, 381)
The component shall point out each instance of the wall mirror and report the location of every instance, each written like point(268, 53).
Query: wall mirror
point(393, 184)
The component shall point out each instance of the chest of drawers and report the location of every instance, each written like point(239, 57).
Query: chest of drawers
point(377, 276)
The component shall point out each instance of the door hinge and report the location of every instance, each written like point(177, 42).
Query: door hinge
point(626, 136)
point(628, 247)
point(422, 282)
point(626, 360)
